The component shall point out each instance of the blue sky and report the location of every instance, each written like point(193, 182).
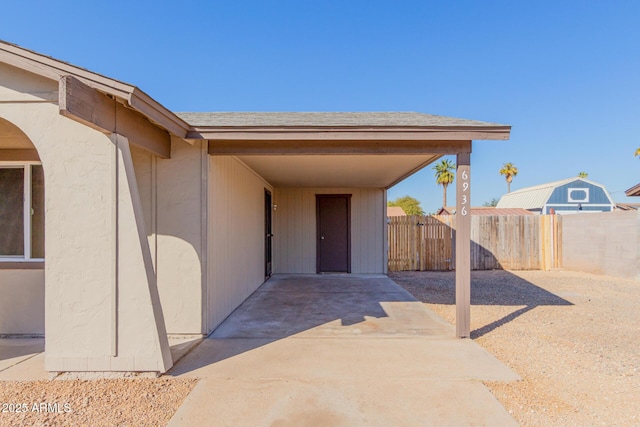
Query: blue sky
point(564, 74)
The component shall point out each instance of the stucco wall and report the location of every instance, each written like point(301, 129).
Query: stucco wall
point(22, 302)
point(295, 229)
point(236, 235)
point(22, 290)
point(603, 243)
point(78, 163)
point(172, 198)
point(101, 307)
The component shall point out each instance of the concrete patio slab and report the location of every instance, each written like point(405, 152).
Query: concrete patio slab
point(21, 359)
point(338, 350)
point(294, 357)
point(375, 402)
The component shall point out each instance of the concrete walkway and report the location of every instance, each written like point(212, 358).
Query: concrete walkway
point(338, 350)
point(22, 359)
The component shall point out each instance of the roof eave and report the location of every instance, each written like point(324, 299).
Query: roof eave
point(633, 191)
point(369, 133)
point(54, 69)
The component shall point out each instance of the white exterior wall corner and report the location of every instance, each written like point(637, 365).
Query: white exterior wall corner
point(235, 235)
point(295, 229)
point(602, 243)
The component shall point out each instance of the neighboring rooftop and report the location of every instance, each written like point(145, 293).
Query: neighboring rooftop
point(628, 206)
point(633, 191)
point(486, 211)
point(395, 211)
point(329, 119)
point(534, 197)
point(578, 194)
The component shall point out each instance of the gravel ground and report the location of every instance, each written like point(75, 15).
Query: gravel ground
point(572, 337)
point(117, 402)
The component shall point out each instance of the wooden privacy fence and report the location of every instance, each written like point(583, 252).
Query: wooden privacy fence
point(513, 242)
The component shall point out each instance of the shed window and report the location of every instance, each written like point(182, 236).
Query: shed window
point(21, 212)
point(578, 195)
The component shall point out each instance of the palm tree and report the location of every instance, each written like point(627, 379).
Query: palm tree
point(583, 174)
point(509, 171)
point(444, 176)
point(637, 153)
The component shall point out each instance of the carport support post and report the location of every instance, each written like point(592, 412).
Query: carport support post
point(463, 245)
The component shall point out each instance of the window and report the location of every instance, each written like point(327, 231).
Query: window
point(21, 212)
point(578, 195)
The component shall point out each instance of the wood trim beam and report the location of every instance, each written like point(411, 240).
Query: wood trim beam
point(53, 69)
point(84, 104)
point(253, 147)
point(353, 134)
point(159, 114)
point(414, 170)
point(28, 155)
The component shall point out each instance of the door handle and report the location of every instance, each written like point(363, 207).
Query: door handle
point(322, 237)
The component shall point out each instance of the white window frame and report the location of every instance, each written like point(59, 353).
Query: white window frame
point(572, 200)
point(26, 166)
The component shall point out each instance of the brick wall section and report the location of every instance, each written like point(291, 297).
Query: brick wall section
point(604, 243)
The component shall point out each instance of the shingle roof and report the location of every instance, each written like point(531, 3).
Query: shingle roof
point(327, 119)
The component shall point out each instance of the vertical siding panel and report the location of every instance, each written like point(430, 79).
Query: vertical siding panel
point(236, 235)
point(286, 232)
point(357, 236)
point(366, 230)
point(307, 213)
point(297, 229)
point(378, 223)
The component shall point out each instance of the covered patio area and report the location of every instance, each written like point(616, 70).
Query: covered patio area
point(330, 172)
point(338, 350)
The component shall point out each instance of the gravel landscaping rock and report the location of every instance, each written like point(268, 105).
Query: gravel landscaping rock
point(120, 402)
point(572, 337)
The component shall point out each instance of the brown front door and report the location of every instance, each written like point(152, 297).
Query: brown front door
point(333, 218)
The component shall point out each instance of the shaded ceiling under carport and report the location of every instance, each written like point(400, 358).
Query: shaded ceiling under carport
point(337, 149)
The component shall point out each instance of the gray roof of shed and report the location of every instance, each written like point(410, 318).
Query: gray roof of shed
point(327, 119)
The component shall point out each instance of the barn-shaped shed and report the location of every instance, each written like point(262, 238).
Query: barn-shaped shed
point(568, 196)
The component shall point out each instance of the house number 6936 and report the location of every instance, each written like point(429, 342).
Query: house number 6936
point(465, 187)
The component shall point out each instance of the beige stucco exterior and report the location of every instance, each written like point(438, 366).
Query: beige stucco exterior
point(101, 307)
point(154, 226)
point(22, 302)
point(172, 197)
